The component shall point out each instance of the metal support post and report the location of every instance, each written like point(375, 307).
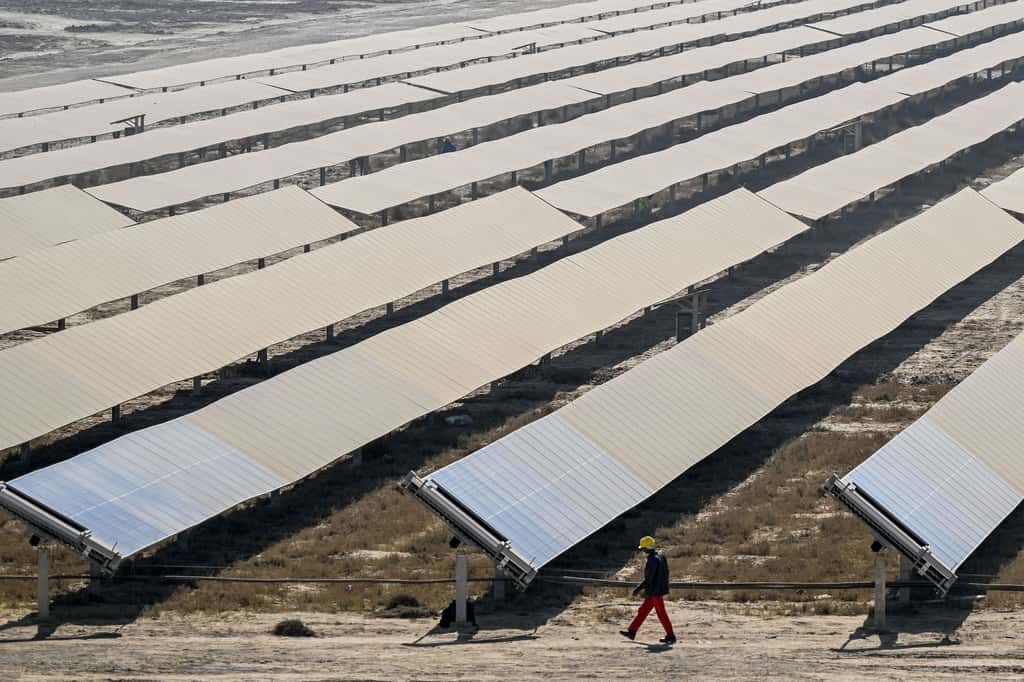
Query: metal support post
point(323, 176)
point(499, 583)
point(390, 308)
point(329, 332)
point(24, 450)
point(263, 358)
point(582, 162)
point(200, 280)
point(95, 574)
point(548, 170)
point(430, 204)
point(134, 301)
point(495, 269)
point(880, 577)
point(445, 287)
point(62, 324)
point(461, 587)
point(43, 591)
point(906, 573)
point(261, 263)
point(115, 414)
point(858, 135)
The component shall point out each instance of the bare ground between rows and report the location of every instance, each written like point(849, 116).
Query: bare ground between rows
point(716, 642)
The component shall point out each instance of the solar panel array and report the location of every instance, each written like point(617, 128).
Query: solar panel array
point(141, 488)
point(101, 119)
point(547, 486)
point(206, 328)
point(54, 216)
point(88, 91)
point(147, 193)
point(552, 483)
point(28, 170)
point(629, 45)
point(406, 182)
point(955, 474)
point(831, 186)
point(1008, 192)
point(52, 284)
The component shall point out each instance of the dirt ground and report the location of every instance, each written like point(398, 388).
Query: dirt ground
point(716, 642)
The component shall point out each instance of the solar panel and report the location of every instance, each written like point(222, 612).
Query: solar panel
point(205, 328)
point(530, 495)
point(827, 188)
point(101, 119)
point(147, 193)
point(586, 194)
point(965, 24)
point(42, 219)
point(441, 57)
point(55, 283)
point(64, 95)
point(154, 144)
point(897, 13)
point(918, 80)
point(623, 46)
point(622, 183)
point(695, 61)
point(941, 486)
point(175, 187)
point(394, 41)
point(1008, 192)
point(174, 475)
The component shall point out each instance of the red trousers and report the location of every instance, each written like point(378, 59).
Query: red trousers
point(658, 604)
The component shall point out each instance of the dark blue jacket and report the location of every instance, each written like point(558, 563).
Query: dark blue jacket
point(655, 582)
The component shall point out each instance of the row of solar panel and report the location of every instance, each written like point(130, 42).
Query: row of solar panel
point(25, 171)
point(58, 282)
point(267, 476)
point(484, 42)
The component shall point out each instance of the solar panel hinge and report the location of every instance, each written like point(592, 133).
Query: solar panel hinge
point(50, 525)
point(891, 533)
point(467, 527)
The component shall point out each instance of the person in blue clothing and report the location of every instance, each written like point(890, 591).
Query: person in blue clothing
point(655, 587)
point(447, 146)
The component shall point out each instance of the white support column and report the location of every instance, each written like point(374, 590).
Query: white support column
point(461, 587)
point(43, 573)
point(880, 577)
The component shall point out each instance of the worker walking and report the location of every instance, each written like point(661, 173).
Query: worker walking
point(654, 587)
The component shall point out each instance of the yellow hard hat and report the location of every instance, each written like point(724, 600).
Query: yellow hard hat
point(646, 542)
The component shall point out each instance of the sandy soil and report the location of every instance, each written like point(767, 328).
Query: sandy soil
point(579, 643)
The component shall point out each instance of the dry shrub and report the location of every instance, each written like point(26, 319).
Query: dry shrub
point(293, 627)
